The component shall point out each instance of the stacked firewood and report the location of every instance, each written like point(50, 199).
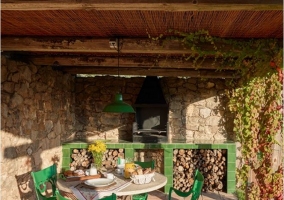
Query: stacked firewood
point(111, 157)
point(157, 155)
point(82, 159)
point(210, 162)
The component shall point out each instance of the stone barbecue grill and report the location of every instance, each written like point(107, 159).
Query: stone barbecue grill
point(151, 118)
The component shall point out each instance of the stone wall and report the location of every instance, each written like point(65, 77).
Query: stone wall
point(41, 108)
point(37, 112)
point(197, 108)
point(92, 94)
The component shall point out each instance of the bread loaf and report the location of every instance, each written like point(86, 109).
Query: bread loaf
point(134, 173)
point(147, 171)
point(74, 173)
point(139, 171)
point(78, 172)
point(68, 173)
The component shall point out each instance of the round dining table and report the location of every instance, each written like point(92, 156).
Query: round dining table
point(159, 181)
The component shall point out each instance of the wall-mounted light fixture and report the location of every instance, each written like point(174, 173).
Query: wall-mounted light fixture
point(118, 105)
point(113, 43)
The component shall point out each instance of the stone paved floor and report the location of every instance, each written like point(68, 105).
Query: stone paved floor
point(157, 195)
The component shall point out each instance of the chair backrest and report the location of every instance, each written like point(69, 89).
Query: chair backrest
point(111, 197)
point(195, 189)
point(146, 164)
point(197, 185)
point(43, 177)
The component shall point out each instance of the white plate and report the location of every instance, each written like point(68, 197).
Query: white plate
point(99, 182)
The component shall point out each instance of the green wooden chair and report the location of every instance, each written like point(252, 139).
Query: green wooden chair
point(147, 164)
point(42, 179)
point(195, 190)
point(59, 196)
point(111, 197)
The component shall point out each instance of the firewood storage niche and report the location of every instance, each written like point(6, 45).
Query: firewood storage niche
point(211, 163)
point(82, 159)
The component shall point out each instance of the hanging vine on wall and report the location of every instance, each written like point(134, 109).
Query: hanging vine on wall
point(256, 101)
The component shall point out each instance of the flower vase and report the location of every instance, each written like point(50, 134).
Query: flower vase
point(98, 148)
point(98, 161)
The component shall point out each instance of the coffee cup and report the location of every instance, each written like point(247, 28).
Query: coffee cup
point(109, 176)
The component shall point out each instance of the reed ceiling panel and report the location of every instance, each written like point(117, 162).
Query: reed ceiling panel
point(140, 23)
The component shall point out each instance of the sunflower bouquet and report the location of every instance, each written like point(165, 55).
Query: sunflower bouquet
point(98, 148)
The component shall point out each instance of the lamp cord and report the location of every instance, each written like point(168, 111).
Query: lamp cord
point(118, 50)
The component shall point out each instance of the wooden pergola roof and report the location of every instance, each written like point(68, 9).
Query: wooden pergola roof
point(74, 36)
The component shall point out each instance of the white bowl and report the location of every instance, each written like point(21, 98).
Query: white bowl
point(143, 179)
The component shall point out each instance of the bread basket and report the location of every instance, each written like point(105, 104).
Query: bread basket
point(143, 179)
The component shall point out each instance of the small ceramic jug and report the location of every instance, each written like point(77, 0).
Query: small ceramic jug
point(93, 169)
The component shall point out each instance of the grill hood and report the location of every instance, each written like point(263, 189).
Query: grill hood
point(151, 107)
point(151, 92)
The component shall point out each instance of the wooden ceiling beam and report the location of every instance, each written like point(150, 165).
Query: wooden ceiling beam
point(143, 5)
point(149, 72)
point(131, 61)
point(99, 46)
point(125, 61)
point(90, 45)
point(142, 66)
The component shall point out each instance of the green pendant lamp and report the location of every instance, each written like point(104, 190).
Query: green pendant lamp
point(118, 105)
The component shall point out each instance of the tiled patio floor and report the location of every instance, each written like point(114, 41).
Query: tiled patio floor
point(157, 195)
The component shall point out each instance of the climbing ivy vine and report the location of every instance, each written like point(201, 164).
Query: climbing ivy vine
point(257, 106)
point(255, 99)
